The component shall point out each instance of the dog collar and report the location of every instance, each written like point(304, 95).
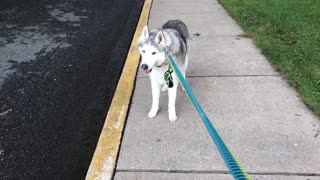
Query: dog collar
point(163, 64)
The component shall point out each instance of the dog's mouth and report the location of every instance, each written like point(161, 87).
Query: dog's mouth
point(147, 71)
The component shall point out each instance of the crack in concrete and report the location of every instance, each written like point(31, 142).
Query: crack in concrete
point(214, 172)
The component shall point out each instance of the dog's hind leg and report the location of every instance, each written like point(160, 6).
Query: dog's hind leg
point(185, 66)
point(172, 93)
point(184, 69)
point(155, 98)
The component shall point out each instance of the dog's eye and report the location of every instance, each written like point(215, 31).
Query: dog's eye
point(153, 53)
point(143, 51)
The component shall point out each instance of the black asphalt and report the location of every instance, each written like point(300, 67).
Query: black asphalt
point(60, 98)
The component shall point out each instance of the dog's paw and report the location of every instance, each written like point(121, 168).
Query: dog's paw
point(172, 117)
point(164, 88)
point(152, 113)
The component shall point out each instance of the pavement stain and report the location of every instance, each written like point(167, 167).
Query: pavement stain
point(316, 130)
point(23, 42)
point(65, 13)
point(4, 113)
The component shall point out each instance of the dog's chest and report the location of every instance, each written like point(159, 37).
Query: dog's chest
point(157, 74)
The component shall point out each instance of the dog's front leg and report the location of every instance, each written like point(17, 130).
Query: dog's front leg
point(172, 92)
point(155, 98)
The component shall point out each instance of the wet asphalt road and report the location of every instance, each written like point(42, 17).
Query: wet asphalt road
point(59, 65)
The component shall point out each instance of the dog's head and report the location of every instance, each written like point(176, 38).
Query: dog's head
point(151, 47)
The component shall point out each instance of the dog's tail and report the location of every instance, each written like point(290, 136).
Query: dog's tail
point(179, 26)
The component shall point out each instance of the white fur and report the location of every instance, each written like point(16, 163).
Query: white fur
point(157, 73)
point(157, 84)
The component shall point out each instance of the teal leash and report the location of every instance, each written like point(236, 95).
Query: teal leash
point(234, 166)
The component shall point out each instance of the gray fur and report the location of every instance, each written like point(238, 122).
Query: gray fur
point(152, 37)
point(179, 26)
point(179, 34)
point(178, 46)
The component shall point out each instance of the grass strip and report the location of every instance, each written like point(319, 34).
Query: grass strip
point(288, 33)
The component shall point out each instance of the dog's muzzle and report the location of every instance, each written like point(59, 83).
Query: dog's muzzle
point(146, 68)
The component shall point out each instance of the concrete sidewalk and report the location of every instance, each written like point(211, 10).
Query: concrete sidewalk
point(260, 117)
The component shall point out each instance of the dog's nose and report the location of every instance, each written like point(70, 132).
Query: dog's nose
point(144, 66)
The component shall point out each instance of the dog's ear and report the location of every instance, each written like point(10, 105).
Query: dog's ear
point(160, 38)
point(145, 33)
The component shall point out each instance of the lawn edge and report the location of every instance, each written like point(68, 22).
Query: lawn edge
point(283, 75)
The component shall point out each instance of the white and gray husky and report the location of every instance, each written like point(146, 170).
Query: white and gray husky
point(173, 37)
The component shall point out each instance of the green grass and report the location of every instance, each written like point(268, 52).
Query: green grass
point(288, 33)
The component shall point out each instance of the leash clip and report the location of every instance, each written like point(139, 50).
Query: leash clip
point(166, 50)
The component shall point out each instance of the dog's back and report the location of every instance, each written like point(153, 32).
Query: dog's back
point(179, 26)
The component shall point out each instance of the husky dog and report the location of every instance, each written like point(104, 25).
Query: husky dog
point(152, 44)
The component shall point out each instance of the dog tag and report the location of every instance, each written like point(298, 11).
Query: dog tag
point(168, 78)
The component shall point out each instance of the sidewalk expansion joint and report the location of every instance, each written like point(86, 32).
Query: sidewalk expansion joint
point(213, 36)
point(198, 76)
point(241, 75)
point(213, 172)
point(156, 15)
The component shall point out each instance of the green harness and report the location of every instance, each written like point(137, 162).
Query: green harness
point(168, 77)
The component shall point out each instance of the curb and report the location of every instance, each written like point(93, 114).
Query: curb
point(103, 163)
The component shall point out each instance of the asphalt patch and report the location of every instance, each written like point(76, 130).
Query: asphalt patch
point(59, 95)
